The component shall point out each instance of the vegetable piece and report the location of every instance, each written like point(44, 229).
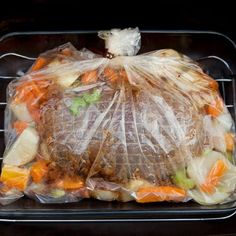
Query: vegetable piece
point(89, 77)
point(229, 140)
point(76, 104)
point(114, 75)
point(69, 183)
point(57, 193)
point(200, 167)
point(111, 74)
point(213, 85)
point(38, 170)
point(214, 176)
point(206, 152)
point(15, 177)
point(182, 180)
point(216, 108)
point(132, 186)
point(67, 79)
point(32, 93)
point(92, 98)
point(31, 90)
point(39, 64)
point(20, 126)
point(206, 199)
point(105, 195)
point(135, 184)
point(158, 194)
point(24, 149)
point(21, 112)
point(86, 100)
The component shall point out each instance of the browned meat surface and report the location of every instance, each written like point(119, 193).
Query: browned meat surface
point(124, 136)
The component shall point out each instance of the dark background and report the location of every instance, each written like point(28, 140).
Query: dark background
point(90, 15)
point(218, 15)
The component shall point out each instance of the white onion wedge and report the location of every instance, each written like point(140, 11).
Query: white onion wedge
point(24, 149)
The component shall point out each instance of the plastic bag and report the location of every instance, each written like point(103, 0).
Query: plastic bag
point(149, 128)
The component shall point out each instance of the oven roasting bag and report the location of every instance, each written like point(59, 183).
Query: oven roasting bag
point(148, 128)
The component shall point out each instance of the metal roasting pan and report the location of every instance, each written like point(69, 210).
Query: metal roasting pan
point(215, 52)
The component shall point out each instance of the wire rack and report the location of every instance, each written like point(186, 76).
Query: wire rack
point(226, 82)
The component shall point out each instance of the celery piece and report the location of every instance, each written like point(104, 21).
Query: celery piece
point(86, 100)
point(76, 104)
point(93, 97)
point(206, 152)
point(57, 193)
point(182, 180)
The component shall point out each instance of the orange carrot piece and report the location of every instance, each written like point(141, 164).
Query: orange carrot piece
point(39, 64)
point(39, 170)
point(214, 176)
point(229, 140)
point(19, 126)
point(35, 88)
point(89, 77)
point(70, 183)
point(111, 74)
point(15, 177)
point(25, 91)
point(22, 94)
point(33, 94)
point(216, 108)
point(161, 193)
point(213, 84)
